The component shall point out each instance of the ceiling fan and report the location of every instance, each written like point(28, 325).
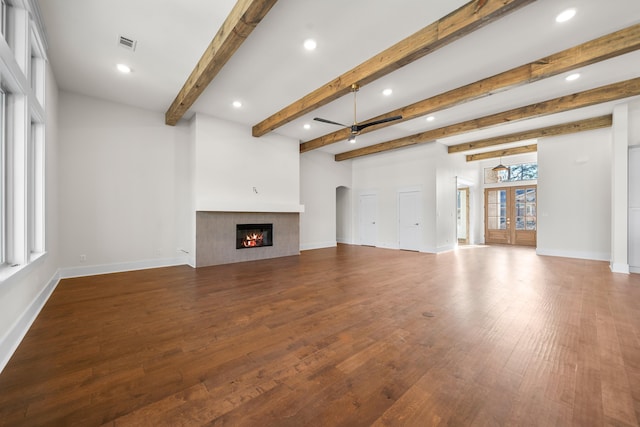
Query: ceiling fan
point(355, 127)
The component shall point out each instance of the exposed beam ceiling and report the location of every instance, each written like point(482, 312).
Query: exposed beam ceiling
point(563, 129)
point(242, 19)
point(461, 22)
point(600, 49)
point(503, 153)
point(612, 92)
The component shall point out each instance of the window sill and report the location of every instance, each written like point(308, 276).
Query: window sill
point(14, 272)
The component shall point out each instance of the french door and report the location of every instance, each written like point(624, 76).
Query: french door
point(510, 215)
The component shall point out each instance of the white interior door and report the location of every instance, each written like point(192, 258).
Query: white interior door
point(368, 214)
point(409, 220)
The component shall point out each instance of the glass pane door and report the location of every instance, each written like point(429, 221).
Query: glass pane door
point(511, 215)
point(496, 218)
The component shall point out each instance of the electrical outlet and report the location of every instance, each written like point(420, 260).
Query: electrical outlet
point(83, 258)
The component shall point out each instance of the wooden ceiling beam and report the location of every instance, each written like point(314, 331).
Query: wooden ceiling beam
point(562, 129)
point(242, 20)
point(459, 23)
point(612, 92)
point(503, 153)
point(591, 52)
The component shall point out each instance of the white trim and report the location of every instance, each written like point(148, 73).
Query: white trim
point(634, 269)
point(318, 245)
point(399, 193)
point(391, 246)
point(93, 270)
point(595, 256)
point(345, 241)
point(12, 339)
point(619, 268)
point(206, 205)
point(446, 248)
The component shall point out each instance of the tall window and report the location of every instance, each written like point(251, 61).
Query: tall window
point(35, 191)
point(22, 145)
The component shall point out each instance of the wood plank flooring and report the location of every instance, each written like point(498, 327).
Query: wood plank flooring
point(346, 336)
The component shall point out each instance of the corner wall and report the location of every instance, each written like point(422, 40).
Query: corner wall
point(574, 195)
point(320, 175)
point(124, 187)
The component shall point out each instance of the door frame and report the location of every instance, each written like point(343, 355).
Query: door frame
point(467, 191)
point(530, 236)
point(360, 217)
point(411, 190)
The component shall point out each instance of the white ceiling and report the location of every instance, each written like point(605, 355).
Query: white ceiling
point(272, 69)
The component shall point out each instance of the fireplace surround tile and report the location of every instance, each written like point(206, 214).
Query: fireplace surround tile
point(216, 236)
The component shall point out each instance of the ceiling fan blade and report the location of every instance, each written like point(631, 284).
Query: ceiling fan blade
point(377, 122)
point(328, 121)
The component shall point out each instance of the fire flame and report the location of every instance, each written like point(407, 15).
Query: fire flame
point(252, 239)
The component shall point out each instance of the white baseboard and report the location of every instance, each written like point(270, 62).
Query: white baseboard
point(634, 269)
point(619, 268)
point(92, 270)
point(595, 256)
point(10, 342)
point(318, 245)
point(446, 248)
point(344, 241)
point(388, 246)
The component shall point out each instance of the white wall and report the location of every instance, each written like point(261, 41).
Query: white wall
point(426, 167)
point(634, 123)
point(22, 295)
point(237, 172)
point(320, 175)
point(634, 188)
point(124, 186)
point(574, 195)
point(634, 209)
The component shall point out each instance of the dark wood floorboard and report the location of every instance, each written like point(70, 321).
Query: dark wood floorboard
point(346, 336)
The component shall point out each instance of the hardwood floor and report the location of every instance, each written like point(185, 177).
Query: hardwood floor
point(345, 336)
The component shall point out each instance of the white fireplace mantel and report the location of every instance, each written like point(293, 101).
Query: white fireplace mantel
point(248, 206)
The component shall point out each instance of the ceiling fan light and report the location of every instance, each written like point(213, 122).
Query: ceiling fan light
point(352, 139)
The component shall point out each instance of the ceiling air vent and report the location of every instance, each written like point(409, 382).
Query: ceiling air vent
point(127, 43)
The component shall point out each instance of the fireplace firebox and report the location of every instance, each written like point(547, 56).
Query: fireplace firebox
point(253, 235)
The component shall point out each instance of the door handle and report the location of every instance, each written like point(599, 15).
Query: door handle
point(373, 222)
point(417, 223)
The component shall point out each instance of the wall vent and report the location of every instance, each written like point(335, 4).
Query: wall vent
point(127, 43)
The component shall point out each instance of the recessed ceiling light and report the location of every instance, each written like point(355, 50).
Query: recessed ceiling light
point(572, 77)
point(237, 104)
point(310, 44)
point(307, 126)
point(430, 118)
point(387, 92)
point(566, 15)
point(123, 68)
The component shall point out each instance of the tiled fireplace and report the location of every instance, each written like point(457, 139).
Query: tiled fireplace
point(228, 237)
